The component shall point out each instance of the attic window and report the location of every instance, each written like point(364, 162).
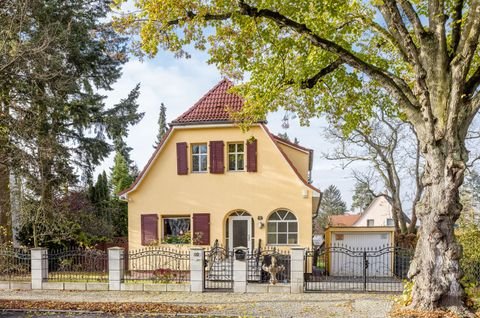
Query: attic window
point(370, 222)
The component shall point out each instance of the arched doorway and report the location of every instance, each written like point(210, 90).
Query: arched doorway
point(239, 229)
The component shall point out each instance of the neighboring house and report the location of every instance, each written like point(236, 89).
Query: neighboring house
point(210, 180)
point(378, 213)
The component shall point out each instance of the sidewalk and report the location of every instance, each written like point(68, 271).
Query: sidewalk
point(244, 305)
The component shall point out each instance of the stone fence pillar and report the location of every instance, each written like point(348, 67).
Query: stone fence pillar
point(39, 265)
point(297, 268)
point(197, 269)
point(116, 267)
point(240, 270)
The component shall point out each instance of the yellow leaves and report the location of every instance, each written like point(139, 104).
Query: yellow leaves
point(105, 307)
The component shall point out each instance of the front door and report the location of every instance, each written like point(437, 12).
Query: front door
point(240, 229)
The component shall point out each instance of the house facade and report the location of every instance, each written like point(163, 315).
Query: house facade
point(378, 213)
point(209, 180)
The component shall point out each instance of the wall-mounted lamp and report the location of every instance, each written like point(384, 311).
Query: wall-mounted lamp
point(261, 225)
point(305, 193)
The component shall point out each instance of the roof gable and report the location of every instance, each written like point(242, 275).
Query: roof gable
point(344, 220)
point(215, 106)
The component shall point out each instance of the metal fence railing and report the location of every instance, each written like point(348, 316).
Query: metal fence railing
point(158, 265)
point(77, 265)
point(15, 264)
point(268, 266)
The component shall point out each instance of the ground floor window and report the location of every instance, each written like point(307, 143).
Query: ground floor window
point(282, 228)
point(176, 230)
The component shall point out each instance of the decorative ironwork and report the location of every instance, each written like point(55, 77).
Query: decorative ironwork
point(268, 266)
point(158, 265)
point(218, 269)
point(15, 264)
point(78, 265)
point(340, 268)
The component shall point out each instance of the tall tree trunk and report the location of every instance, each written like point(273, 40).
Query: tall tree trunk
point(5, 219)
point(15, 206)
point(5, 216)
point(436, 268)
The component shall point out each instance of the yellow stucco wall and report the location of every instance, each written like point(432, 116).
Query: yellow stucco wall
point(274, 186)
point(300, 159)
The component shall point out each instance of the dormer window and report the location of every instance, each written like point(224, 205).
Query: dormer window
point(236, 157)
point(199, 158)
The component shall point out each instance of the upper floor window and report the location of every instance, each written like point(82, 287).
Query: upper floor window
point(236, 155)
point(199, 158)
point(390, 222)
point(370, 222)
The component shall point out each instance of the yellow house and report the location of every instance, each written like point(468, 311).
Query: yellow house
point(208, 180)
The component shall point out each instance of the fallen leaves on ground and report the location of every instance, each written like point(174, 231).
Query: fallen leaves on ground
point(400, 312)
point(105, 307)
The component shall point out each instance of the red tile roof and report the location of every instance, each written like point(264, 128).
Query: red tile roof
point(214, 106)
point(343, 220)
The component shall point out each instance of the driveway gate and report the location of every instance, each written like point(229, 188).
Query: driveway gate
point(218, 269)
point(339, 268)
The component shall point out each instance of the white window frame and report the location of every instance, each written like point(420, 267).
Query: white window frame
point(236, 153)
point(200, 154)
point(287, 231)
point(373, 222)
point(391, 220)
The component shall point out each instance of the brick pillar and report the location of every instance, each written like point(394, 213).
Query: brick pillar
point(297, 269)
point(240, 271)
point(197, 269)
point(39, 259)
point(116, 267)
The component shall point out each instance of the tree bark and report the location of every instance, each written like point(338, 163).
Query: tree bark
point(5, 219)
point(435, 268)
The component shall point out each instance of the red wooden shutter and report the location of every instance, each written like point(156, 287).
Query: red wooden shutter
point(149, 228)
point(252, 155)
point(201, 229)
point(216, 157)
point(182, 158)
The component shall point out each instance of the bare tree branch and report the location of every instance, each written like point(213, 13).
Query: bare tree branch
point(456, 24)
point(413, 18)
point(310, 82)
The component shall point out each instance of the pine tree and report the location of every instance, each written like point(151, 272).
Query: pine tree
point(162, 125)
point(332, 204)
point(362, 196)
point(120, 177)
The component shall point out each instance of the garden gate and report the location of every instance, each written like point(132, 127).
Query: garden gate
point(340, 268)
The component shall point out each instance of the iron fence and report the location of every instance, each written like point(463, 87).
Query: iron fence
point(268, 266)
point(343, 268)
point(218, 269)
point(77, 265)
point(15, 264)
point(158, 265)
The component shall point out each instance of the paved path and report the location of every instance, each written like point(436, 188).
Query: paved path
point(244, 305)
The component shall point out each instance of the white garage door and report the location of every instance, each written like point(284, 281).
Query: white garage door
point(346, 255)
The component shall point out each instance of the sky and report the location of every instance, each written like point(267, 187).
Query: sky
point(179, 83)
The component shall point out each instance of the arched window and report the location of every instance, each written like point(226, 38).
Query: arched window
point(282, 228)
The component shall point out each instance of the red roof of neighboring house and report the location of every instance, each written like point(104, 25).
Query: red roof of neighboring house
point(343, 220)
point(214, 106)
